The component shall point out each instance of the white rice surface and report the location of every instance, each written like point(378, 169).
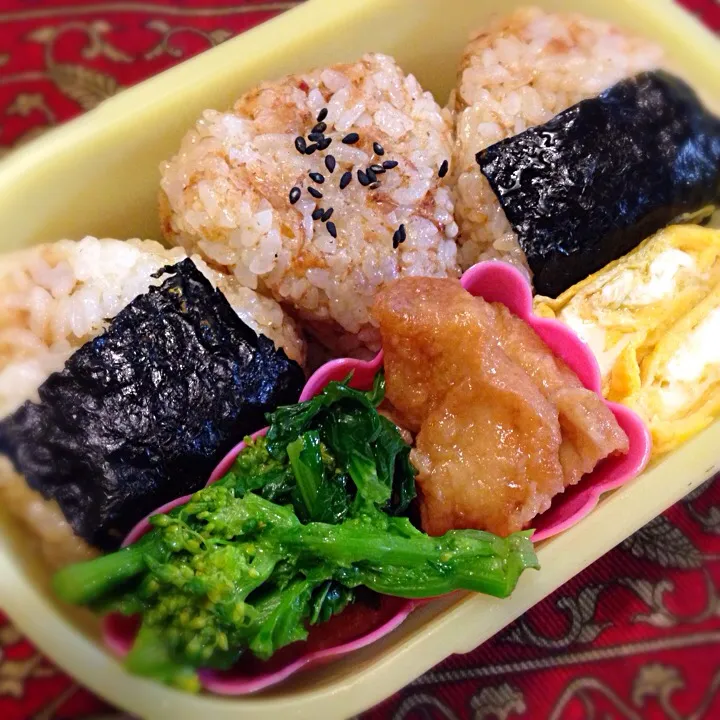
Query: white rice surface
point(54, 536)
point(56, 297)
point(520, 71)
point(225, 193)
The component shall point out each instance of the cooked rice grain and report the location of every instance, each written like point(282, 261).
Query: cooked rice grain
point(226, 193)
point(520, 71)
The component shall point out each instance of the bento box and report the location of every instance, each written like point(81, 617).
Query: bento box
point(98, 175)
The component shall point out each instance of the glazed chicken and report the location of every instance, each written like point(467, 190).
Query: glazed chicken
point(502, 424)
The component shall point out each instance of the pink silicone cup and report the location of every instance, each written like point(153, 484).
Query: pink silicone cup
point(494, 282)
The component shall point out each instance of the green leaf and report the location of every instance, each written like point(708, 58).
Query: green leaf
point(282, 619)
point(404, 489)
point(377, 394)
point(392, 457)
point(331, 598)
point(334, 499)
point(278, 486)
point(349, 437)
point(363, 471)
point(255, 470)
point(287, 423)
point(309, 471)
point(363, 444)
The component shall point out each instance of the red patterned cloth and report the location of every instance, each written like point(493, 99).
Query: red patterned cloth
point(637, 635)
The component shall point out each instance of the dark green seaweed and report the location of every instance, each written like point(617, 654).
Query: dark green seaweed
point(586, 187)
point(142, 414)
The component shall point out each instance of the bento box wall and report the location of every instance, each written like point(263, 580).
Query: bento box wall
point(100, 175)
point(109, 187)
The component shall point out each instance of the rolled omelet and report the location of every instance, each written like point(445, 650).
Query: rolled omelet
point(679, 393)
point(624, 310)
point(651, 318)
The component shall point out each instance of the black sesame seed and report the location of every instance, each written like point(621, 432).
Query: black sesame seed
point(363, 178)
point(351, 138)
point(330, 163)
point(321, 127)
point(375, 185)
point(315, 137)
point(396, 239)
point(310, 149)
point(390, 164)
point(377, 169)
point(442, 172)
point(324, 143)
point(315, 192)
point(317, 177)
point(332, 229)
point(300, 144)
point(322, 115)
point(327, 214)
point(372, 177)
point(294, 195)
point(345, 180)
point(401, 230)
point(317, 213)
point(378, 148)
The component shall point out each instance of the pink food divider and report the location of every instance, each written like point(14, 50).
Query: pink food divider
point(494, 282)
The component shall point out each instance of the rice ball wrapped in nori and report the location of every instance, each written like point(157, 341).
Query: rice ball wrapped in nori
point(589, 185)
point(315, 229)
point(520, 70)
point(56, 297)
point(142, 413)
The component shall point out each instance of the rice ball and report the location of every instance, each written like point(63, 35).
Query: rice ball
point(520, 71)
point(277, 191)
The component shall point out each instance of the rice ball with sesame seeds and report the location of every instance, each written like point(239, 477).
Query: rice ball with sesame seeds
point(318, 189)
point(520, 71)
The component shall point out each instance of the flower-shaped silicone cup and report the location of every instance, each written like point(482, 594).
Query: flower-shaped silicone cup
point(495, 282)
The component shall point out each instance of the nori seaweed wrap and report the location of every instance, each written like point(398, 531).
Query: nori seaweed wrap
point(589, 185)
point(142, 414)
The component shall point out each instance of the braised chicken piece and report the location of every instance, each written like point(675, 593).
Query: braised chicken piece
point(503, 425)
point(589, 428)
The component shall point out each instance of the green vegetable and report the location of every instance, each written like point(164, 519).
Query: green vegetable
point(362, 453)
point(150, 656)
point(308, 468)
point(289, 422)
point(206, 580)
point(255, 470)
point(329, 599)
point(284, 623)
point(234, 571)
point(392, 455)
